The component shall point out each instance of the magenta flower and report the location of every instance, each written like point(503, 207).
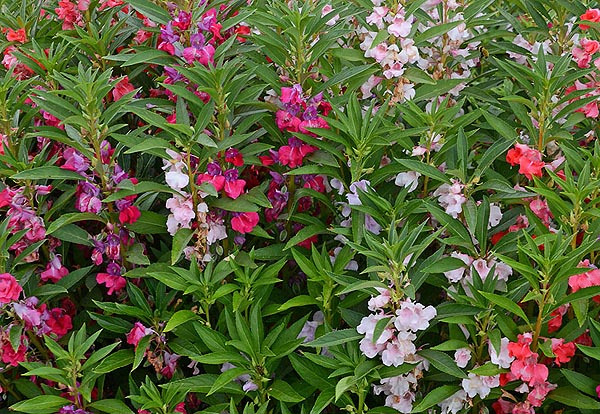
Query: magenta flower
point(293, 154)
point(234, 187)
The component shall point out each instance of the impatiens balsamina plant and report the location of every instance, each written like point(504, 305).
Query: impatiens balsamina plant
point(277, 207)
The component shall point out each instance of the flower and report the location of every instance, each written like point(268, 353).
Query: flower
point(293, 154)
point(462, 357)
point(123, 87)
point(137, 333)
point(413, 316)
point(129, 215)
point(529, 160)
point(58, 322)
point(16, 35)
point(563, 351)
point(408, 180)
point(244, 222)
point(451, 198)
point(591, 15)
point(54, 270)
point(10, 290)
point(112, 279)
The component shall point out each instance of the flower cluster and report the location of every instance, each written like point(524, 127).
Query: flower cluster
point(395, 345)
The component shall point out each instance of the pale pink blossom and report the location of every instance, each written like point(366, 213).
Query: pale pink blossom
point(409, 179)
point(413, 316)
point(462, 357)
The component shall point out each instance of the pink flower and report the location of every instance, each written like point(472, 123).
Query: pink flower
point(28, 313)
point(182, 213)
point(16, 35)
point(137, 333)
point(10, 290)
point(408, 180)
point(291, 95)
point(293, 154)
point(462, 357)
point(244, 222)
point(233, 186)
point(538, 394)
point(451, 198)
point(54, 270)
point(413, 316)
point(112, 279)
point(287, 122)
point(502, 359)
point(123, 87)
point(204, 54)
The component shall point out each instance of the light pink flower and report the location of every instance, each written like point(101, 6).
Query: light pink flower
point(413, 316)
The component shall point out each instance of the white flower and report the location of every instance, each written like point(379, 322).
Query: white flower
point(480, 385)
point(502, 359)
point(177, 179)
point(495, 216)
point(454, 403)
point(409, 179)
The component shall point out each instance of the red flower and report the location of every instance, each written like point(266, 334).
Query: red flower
point(122, 88)
point(10, 290)
point(12, 357)
point(129, 215)
point(16, 35)
point(244, 222)
point(591, 15)
point(563, 351)
point(529, 160)
point(234, 157)
point(59, 322)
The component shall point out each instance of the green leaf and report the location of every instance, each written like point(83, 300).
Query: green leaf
point(225, 378)
point(436, 396)
point(69, 218)
point(301, 300)
point(573, 398)
point(580, 381)
point(151, 11)
point(343, 385)
point(488, 369)
point(445, 264)
point(505, 303)
point(140, 351)
point(42, 404)
point(324, 399)
point(503, 128)
point(283, 391)
point(119, 359)
point(336, 338)
point(149, 223)
point(443, 362)
point(49, 172)
point(73, 234)
point(179, 318)
point(425, 169)
point(591, 351)
point(111, 406)
point(49, 373)
point(180, 242)
point(304, 234)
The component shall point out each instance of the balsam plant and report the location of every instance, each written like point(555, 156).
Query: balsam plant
point(265, 207)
